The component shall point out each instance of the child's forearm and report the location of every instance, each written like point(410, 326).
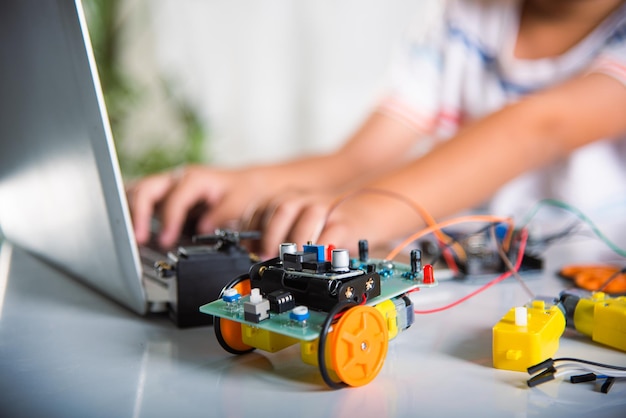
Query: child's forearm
point(466, 170)
point(379, 144)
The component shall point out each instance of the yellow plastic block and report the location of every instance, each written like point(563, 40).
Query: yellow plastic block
point(390, 315)
point(603, 318)
point(518, 346)
point(308, 351)
point(265, 340)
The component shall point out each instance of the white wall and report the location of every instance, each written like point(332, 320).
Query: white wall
point(274, 78)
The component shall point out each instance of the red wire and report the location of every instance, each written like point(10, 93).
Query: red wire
point(447, 252)
point(449, 258)
point(518, 263)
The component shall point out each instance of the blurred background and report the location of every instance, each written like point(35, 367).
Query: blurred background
point(234, 82)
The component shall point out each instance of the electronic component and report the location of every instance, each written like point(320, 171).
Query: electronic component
point(299, 314)
point(399, 314)
point(257, 308)
point(597, 315)
point(527, 335)
point(196, 273)
point(579, 370)
point(281, 301)
point(476, 255)
point(341, 311)
point(314, 281)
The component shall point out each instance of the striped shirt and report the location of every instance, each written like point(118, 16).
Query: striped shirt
point(462, 67)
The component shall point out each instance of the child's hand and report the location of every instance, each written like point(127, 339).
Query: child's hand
point(327, 218)
point(224, 194)
point(294, 216)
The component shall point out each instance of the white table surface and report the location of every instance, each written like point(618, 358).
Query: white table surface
point(66, 351)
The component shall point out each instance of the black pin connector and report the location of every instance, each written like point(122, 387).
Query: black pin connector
point(581, 378)
point(544, 376)
point(546, 364)
point(608, 383)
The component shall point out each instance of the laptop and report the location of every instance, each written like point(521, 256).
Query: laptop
point(61, 191)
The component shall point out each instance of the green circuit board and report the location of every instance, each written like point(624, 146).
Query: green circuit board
point(395, 281)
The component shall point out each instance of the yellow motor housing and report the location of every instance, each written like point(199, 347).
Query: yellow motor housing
point(603, 318)
point(527, 335)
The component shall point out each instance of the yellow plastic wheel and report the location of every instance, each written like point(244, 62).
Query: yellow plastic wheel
point(228, 332)
point(359, 345)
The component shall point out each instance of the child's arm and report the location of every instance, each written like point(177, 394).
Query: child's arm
point(467, 169)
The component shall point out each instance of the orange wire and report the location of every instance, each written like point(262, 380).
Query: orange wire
point(421, 211)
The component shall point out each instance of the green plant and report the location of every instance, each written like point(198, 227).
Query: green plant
point(124, 94)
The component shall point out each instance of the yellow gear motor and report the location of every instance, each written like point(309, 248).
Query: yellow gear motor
point(598, 315)
point(527, 335)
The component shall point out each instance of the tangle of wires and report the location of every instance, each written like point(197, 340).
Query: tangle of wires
point(479, 255)
point(596, 278)
point(485, 252)
point(509, 254)
point(570, 230)
point(451, 250)
point(579, 371)
point(539, 244)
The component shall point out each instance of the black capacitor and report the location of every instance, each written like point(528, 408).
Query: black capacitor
point(416, 261)
point(363, 251)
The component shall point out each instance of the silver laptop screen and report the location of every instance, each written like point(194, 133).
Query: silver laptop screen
point(61, 193)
